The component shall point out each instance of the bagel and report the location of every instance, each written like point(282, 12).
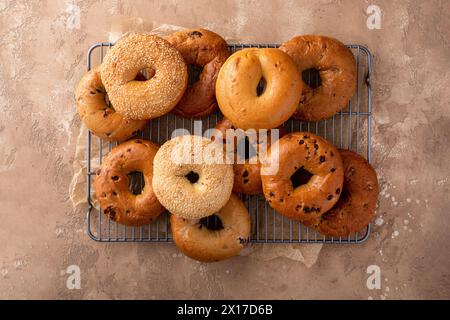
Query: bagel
point(200, 243)
point(125, 63)
point(337, 69)
point(355, 208)
point(100, 118)
point(203, 49)
point(246, 101)
point(111, 184)
point(191, 178)
point(247, 177)
point(296, 153)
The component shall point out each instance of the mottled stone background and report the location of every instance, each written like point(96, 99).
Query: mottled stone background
point(42, 56)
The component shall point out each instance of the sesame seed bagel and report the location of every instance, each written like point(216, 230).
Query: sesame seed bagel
point(111, 184)
point(247, 177)
point(191, 178)
point(203, 49)
point(337, 69)
point(99, 117)
point(239, 93)
point(200, 243)
point(356, 206)
point(294, 153)
point(151, 98)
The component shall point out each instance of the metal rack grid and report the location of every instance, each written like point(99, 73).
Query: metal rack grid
point(349, 129)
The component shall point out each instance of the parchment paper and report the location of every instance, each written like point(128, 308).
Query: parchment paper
point(119, 27)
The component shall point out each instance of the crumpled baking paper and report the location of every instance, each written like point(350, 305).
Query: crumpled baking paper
point(119, 27)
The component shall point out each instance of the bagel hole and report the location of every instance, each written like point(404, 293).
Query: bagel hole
point(194, 72)
point(192, 176)
point(245, 149)
point(261, 87)
point(312, 77)
point(212, 223)
point(108, 102)
point(300, 177)
point(136, 182)
point(145, 74)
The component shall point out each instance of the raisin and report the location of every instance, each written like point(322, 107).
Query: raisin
point(306, 209)
point(322, 159)
point(338, 190)
point(329, 197)
point(138, 141)
point(115, 178)
point(316, 146)
point(111, 212)
point(297, 207)
point(195, 33)
point(246, 181)
point(271, 194)
point(333, 169)
point(301, 142)
point(245, 174)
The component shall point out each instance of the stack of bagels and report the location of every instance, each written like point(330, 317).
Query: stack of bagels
point(191, 73)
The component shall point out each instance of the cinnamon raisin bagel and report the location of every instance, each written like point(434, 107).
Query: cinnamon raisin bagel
point(191, 177)
point(200, 243)
point(258, 88)
point(111, 184)
point(247, 177)
point(355, 208)
point(203, 49)
point(296, 154)
point(337, 69)
point(100, 118)
point(122, 69)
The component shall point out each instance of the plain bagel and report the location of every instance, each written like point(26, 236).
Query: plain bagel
point(258, 88)
point(200, 243)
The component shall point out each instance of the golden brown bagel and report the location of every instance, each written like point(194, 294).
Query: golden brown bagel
point(199, 243)
point(337, 69)
point(303, 150)
point(144, 99)
point(101, 119)
point(111, 184)
point(205, 49)
point(247, 177)
point(355, 208)
point(236, 88)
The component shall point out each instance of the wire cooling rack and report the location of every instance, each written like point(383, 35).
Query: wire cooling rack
point(349, 129)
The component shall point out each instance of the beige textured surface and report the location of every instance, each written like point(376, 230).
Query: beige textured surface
point(43, 56)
